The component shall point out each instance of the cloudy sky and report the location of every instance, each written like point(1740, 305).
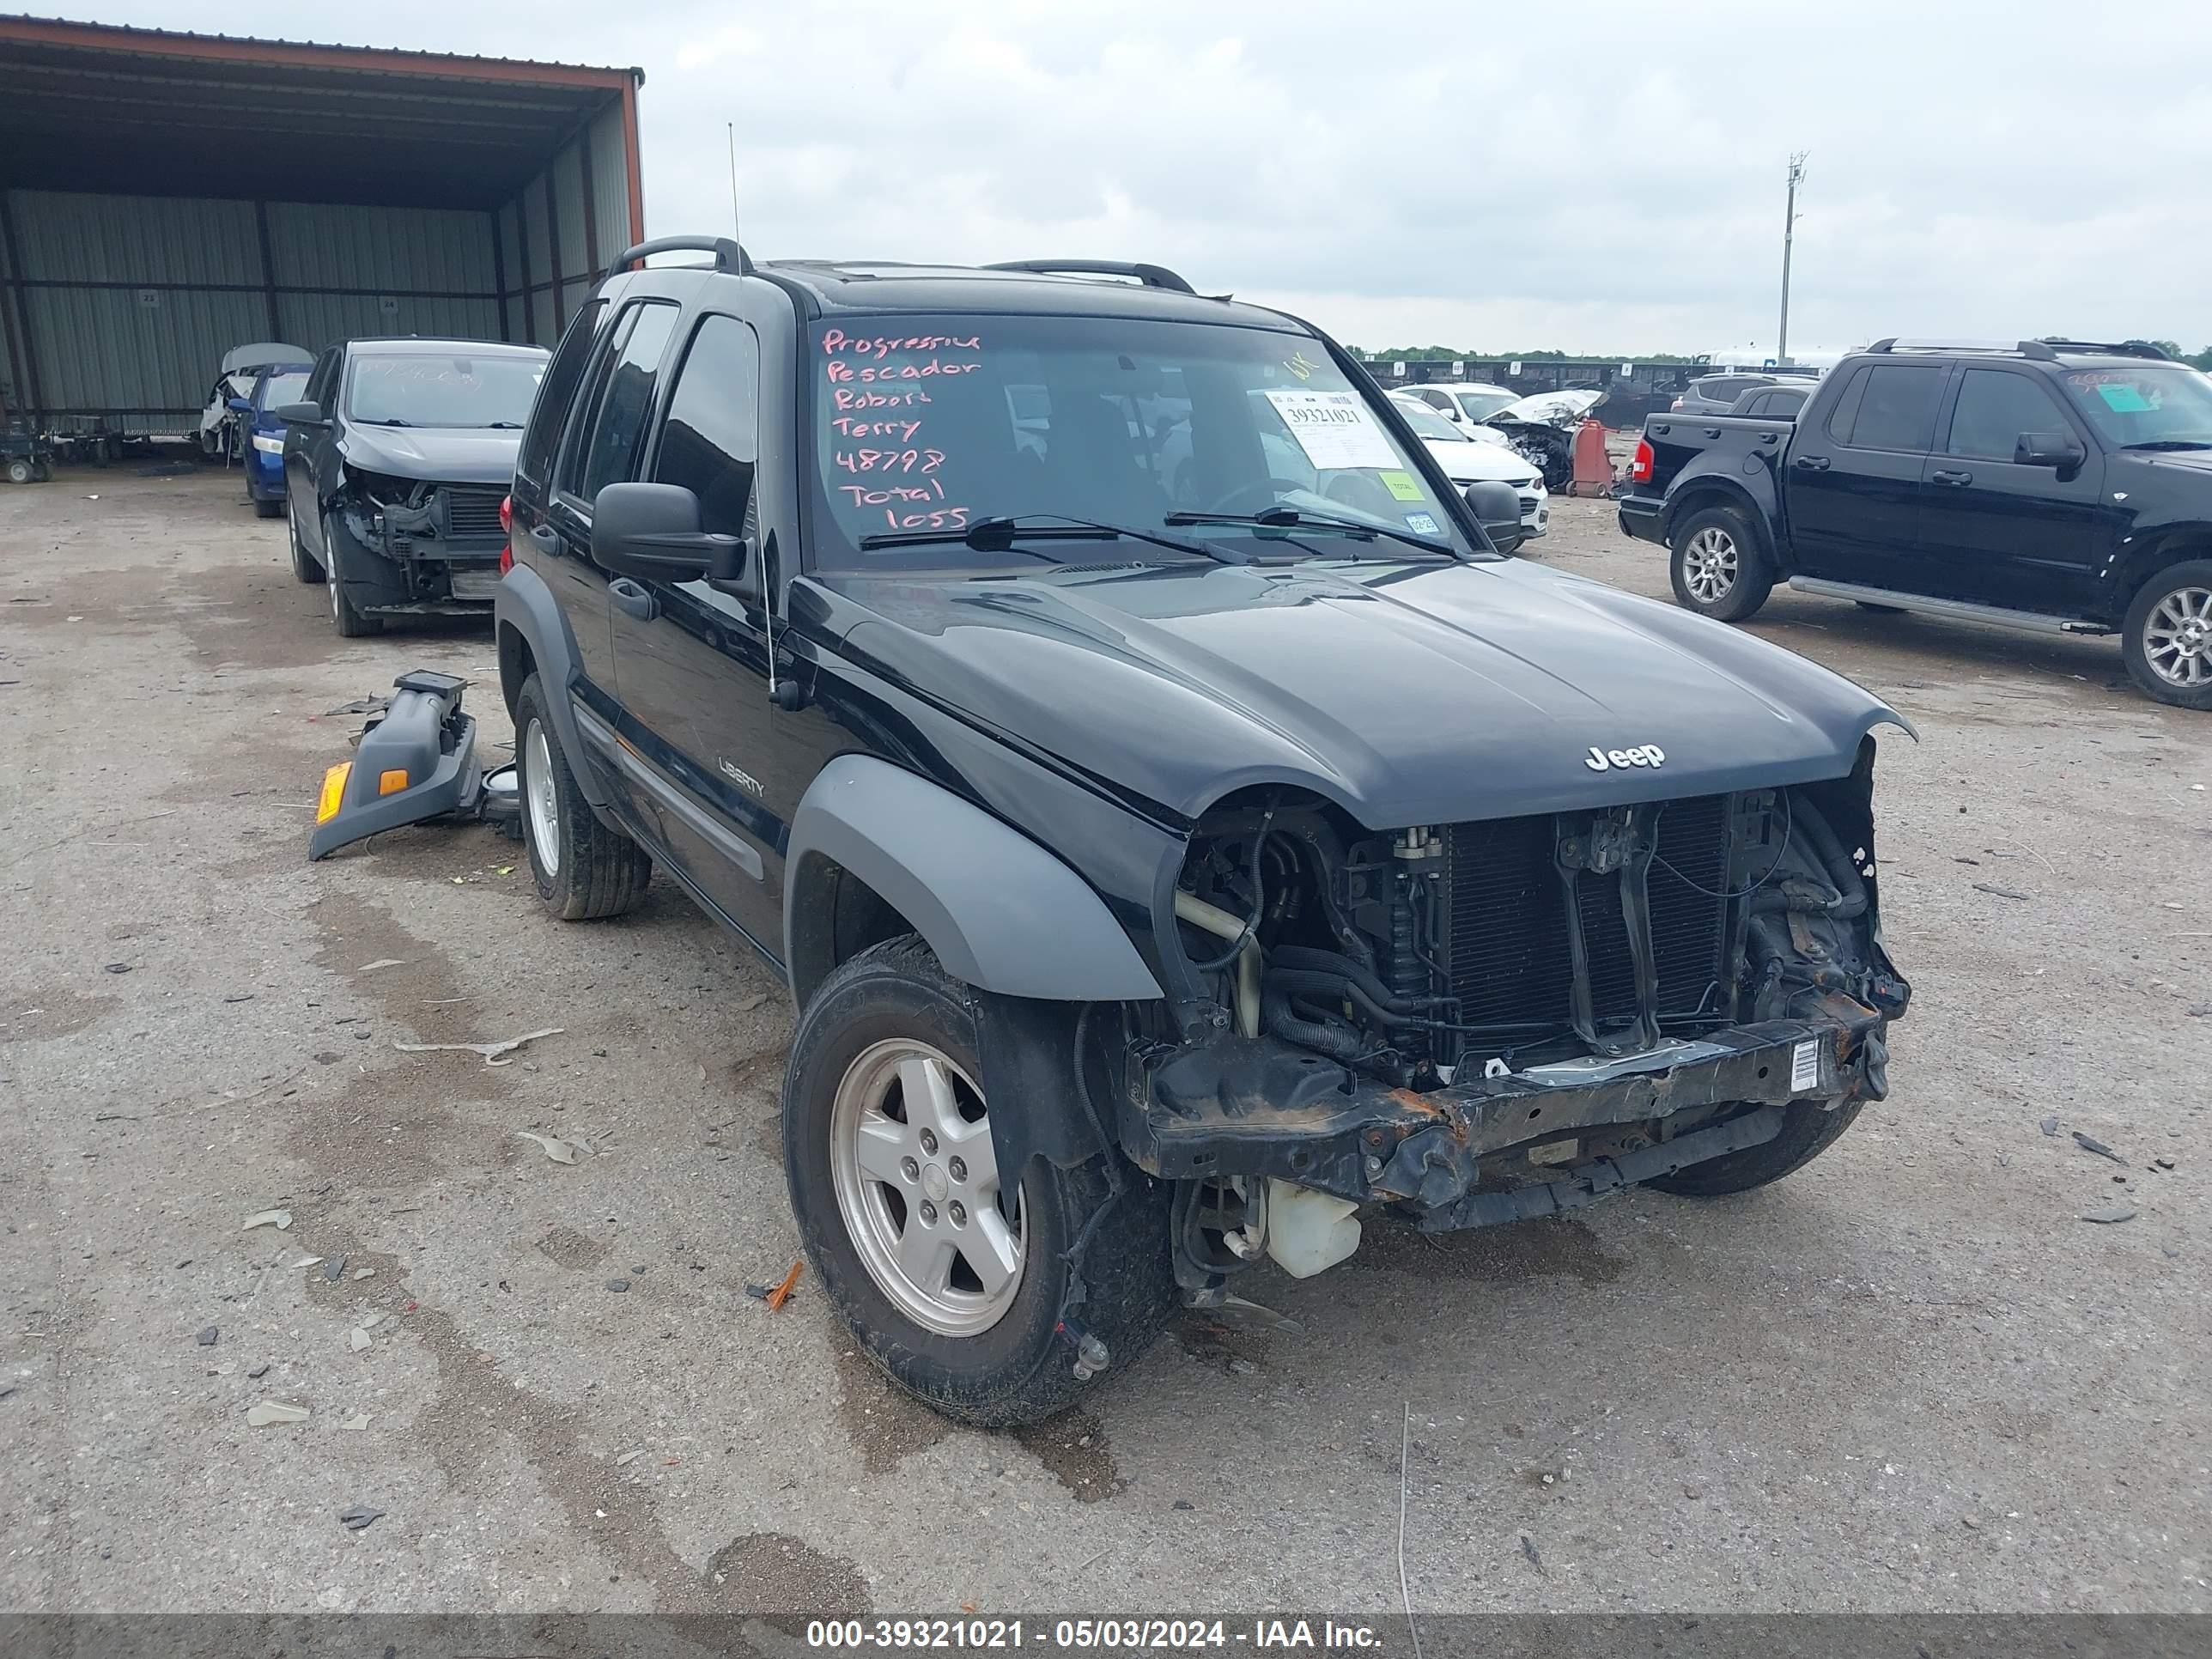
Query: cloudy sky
point(1597, 175)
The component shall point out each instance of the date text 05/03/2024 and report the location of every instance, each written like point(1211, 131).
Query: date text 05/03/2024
point(1089, 1634)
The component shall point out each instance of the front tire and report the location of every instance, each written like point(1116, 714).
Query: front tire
point(305, 565)
point(1806, 1132)
point(2166, 640)
point(950, 1273)
point(351, 624)
point(584, 870)
point(1718, 569)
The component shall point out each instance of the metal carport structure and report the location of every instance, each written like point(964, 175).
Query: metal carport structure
point(165, 196)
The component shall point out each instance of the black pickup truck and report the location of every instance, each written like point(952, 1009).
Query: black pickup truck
point(2055, 484)
point(1169, 860)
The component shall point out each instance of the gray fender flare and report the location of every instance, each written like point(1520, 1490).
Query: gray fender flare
point(1000, 912)
point(524, 604)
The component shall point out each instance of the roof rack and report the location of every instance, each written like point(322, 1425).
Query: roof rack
point(2125, 349)
point(728, 256)
point(2045, 351)
point(1150, 276)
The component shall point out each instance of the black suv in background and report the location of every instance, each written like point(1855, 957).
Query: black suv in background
point(395, 464)
point(2054, 484)
point(1168, 858)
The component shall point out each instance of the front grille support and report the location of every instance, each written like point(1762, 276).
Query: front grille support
point(1612, 851)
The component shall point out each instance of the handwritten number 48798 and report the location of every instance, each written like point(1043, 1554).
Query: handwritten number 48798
point(889, 460)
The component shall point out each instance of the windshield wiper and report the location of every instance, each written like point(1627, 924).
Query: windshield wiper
point(2171, 443)
point(394, 420)
point(504, 426)
point(1291, 518)
point(998, 535)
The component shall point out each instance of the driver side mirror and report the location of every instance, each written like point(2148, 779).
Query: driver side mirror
point(239, 405)
point(2062, 449)
point(1498, 506)
point(301, 415)
point(652, 531)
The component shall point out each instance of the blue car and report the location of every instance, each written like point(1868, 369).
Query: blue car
point(264, 432)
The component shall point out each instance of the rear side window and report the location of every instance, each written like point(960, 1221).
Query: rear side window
point(710, 441)
point(1993, 409)
point(1897, 408)
point(606, 447)
point(557, 390)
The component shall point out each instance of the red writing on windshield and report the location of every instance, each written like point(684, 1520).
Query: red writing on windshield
point(884, 433)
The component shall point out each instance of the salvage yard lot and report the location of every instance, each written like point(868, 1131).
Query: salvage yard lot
point(1910, 1377)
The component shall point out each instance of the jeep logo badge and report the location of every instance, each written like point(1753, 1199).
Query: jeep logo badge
point(1604, 760)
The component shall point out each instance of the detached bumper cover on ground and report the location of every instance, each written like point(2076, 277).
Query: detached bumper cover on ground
point(417, 762)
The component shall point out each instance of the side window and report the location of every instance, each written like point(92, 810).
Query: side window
point(1993, 408)
point(1761, 404)
point(603, 443)
point(1897, 411)
point(319, 384)
point(557, 390)
point(1846, 409)
point(710, 441)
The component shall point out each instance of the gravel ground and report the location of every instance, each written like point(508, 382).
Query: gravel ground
point(1910, 1378)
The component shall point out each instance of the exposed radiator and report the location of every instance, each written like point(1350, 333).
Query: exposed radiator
point(471, 511)
point(1511, 908)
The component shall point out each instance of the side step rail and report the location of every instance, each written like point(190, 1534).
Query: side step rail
point(1996, 616)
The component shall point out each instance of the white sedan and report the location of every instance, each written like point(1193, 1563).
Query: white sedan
point(1467, 458)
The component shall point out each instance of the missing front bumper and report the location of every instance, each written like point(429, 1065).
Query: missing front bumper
point(1237, 1106)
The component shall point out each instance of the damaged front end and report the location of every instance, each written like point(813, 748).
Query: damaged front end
point(414, 762)
point(438, 544)
point(1482, 1022)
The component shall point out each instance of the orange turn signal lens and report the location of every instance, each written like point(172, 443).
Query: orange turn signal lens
point(390, 783)
point(333, 795)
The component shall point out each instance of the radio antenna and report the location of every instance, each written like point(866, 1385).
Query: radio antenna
point(732, 127)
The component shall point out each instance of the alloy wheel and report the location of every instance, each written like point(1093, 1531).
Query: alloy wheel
point(2178, 638)
point(918, 1187)
point(543, 803)
point(1709, 565)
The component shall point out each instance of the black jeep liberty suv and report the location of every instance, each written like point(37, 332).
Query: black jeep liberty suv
point(1182, 832)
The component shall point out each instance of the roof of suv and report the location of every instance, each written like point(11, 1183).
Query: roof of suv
point(884, 286)
point(387, 345)
point(2072, 353)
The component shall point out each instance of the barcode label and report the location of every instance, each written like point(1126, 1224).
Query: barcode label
point(1805, 1066)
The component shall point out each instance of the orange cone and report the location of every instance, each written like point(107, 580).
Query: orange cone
point(1593, 467)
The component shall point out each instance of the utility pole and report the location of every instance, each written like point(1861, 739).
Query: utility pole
point(1788, 235)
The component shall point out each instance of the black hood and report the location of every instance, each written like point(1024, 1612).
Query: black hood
point(1407, 695)
point(435, 454)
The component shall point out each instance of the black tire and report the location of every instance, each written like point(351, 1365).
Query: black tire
point(591, 871)
point(265, 508)
point(21, 472)
point(351, 624)
point(42, 472)
point(1021, 1368)
point(1806, 1132)
point(1712, 542)
point(2183, 587)
point(304, 565)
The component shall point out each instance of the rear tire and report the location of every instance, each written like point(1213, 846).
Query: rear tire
point(2166, 640)
point(983, 1350)
point(1718, 568)
point(584, 870)
point(1806, 1132)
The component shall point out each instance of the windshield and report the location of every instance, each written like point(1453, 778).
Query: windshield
point(1427, 423)
point(2169, 407)
point(286, 388)
point(449, 389)
point(934, 423)
point(1481, 405)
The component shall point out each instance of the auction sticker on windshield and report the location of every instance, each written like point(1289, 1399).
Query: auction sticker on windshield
point(1334, 428)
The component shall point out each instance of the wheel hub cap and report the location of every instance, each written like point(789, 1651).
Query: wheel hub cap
point(544, 805)
point(2178, 638)
point(917, 1182)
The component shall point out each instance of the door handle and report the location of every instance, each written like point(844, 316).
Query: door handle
point(1811, 463)
point(633, 599)
point(1941, 477)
